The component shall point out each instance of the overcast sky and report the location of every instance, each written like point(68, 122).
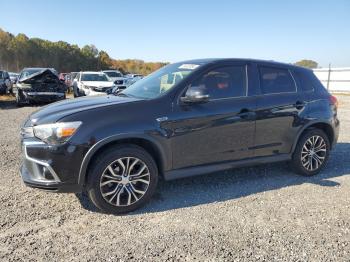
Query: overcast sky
point(176, 30)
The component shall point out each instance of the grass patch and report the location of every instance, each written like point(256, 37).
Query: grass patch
point(7, 98)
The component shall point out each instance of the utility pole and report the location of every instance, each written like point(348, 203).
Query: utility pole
point(329, 75)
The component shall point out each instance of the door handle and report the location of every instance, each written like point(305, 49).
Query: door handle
point(299, 105)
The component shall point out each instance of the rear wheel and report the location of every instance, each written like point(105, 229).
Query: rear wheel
point(75, 91)
point(311, 153)
point(122, 179)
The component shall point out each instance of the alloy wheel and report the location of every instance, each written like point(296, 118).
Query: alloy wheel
point(125, 181)
point(313, 153)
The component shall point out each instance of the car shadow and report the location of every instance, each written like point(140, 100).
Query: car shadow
point(236, 183)
point(7, 103)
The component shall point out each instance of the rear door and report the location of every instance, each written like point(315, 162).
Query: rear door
point(279, 106)
point(221, 129)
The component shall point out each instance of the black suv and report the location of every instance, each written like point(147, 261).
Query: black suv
point(185, 119)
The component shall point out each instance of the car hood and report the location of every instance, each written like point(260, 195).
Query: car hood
point(39, 76)
point(54, 112)
point(98, 83)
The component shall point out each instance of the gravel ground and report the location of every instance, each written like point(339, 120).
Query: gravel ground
point(262, 213)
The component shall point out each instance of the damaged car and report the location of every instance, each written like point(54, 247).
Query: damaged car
point(92, 83)
point(39, 85)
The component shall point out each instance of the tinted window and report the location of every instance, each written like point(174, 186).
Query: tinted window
point(224, 82)
point(276, 80)
point(304, 80)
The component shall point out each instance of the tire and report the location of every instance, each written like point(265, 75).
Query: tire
point(75, 93)
point(112, 195)
point(19, 100)
point(307, 162)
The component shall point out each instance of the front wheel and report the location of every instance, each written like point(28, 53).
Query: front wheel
point(122, 179)
point(19, 100)
point(311, 153)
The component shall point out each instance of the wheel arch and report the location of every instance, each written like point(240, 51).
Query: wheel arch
point(324, 126)
point(149, 144)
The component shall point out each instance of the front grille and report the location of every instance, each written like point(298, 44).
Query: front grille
point(101, 89)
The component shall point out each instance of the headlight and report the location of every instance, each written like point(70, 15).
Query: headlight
point(24, 86)
point(56, 133)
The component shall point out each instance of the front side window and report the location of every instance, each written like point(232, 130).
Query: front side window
point(224, 82)
point(276, 80)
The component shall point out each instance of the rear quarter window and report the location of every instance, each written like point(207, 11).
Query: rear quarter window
point(304, 80)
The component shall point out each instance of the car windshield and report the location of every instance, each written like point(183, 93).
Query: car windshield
point(160, 81)
point(113, 74)
point(27, 72)
point(94, 77)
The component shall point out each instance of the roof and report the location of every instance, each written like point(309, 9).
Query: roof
point(38, 68)
point(92, 72)
point(212, 60)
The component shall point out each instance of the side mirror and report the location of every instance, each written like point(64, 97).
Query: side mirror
point(195, 94)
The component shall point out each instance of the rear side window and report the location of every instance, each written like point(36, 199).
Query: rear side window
point(308, 81)
point(224, 82)
point(276, 80)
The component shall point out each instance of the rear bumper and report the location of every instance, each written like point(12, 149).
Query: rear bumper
point(336, 127)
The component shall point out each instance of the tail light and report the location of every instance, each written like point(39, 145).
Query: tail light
point(333, 101)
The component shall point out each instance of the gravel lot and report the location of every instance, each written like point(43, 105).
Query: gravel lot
point(251, 214)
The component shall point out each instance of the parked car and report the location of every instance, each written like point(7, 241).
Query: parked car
point(92, 83)
point(134, 75)
point(118, 78)
point(133, 78)
point(39, 85)
point(72, 76)
point(13, 77)
point(5, 82)
point(185, 119)
point(62, 76)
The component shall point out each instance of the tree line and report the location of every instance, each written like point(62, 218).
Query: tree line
point(17, 52)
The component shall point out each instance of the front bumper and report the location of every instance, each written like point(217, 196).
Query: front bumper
point(46, 167)
point(42, 97)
